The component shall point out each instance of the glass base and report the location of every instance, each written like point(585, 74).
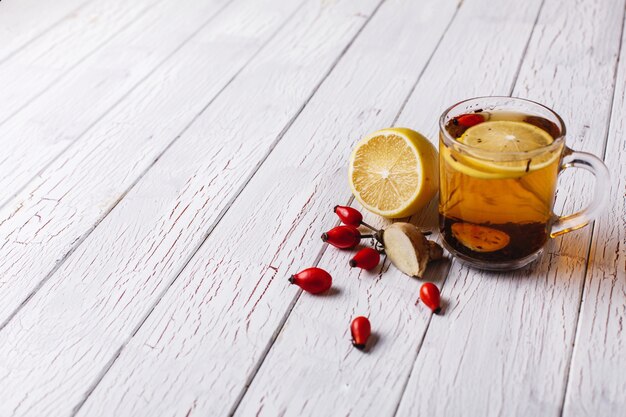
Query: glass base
point(489, 265)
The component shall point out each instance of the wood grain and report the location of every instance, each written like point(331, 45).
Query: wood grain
point(70, 197)
point(60, 116)
point(597, 378)
point(163, 184)
point(23, 21)
point(504, 345)
point(103, 295)
point(44, 60)
point(312, 357)
point(230, 300)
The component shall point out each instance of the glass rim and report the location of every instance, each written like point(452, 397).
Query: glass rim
point(449, 140)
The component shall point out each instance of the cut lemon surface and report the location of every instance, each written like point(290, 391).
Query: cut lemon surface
point(506, 136)
point(501, 137)
point(394, 172)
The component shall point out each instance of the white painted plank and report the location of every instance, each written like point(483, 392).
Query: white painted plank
point(277, 240)
point(22, 21)
point(312, 369)
point(218, 390)
point(66, 201)
point(43, 61)
point(504, 345)
point(109, 284)
point(55, 120)
point(199, 372)
point(597, 377)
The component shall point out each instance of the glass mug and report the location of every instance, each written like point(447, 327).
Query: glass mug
point(498, 181)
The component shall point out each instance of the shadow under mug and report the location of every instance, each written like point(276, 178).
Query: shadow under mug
point(496, 207)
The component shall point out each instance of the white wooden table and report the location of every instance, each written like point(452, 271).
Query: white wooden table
point(166, 165)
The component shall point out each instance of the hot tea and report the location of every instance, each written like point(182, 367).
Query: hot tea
point(499, 161)
point(497, 187)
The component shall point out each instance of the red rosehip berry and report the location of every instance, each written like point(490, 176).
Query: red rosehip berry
point(429, 293)
point(352, 217)
point(342, 237)
point(349, 215)
point(366, 258)
point(469, 120)
point(361, 330)
point(313, 280)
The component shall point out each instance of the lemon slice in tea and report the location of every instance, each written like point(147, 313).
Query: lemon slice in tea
point(506, 136)
point(502, 136)
point(394, 172)
point(480, 238)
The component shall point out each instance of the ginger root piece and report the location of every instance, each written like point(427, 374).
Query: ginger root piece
point(408, 249)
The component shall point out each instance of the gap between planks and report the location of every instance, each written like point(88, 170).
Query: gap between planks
point(516, 75)
point(222, 212)
point(234, 198)
point(53, 81)
point(253, 174)
point(318, 257)
point(266, 351)
point(142, 174)
point(320, 254)
point(221, 215)
point(593, 238)
point(421, 73)
point(443, 281)
point(5, 200)
point(192, 253)
point(331, 57)
point(522, 44)
point(43, 31)
point(269, 25)
point(283, 318)
point(602, 151)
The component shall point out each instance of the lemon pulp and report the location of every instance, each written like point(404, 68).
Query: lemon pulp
point(501, 136)
point(506, 136)
point(394, 172)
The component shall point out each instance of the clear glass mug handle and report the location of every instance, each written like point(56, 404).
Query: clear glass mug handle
point(593, 164)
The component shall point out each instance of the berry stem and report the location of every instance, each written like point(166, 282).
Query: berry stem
point(370, 227)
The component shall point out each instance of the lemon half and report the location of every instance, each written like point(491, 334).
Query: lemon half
point(394, 172)
point(501, 136)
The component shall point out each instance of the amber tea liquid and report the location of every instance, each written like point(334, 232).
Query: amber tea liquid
point(497, 210)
